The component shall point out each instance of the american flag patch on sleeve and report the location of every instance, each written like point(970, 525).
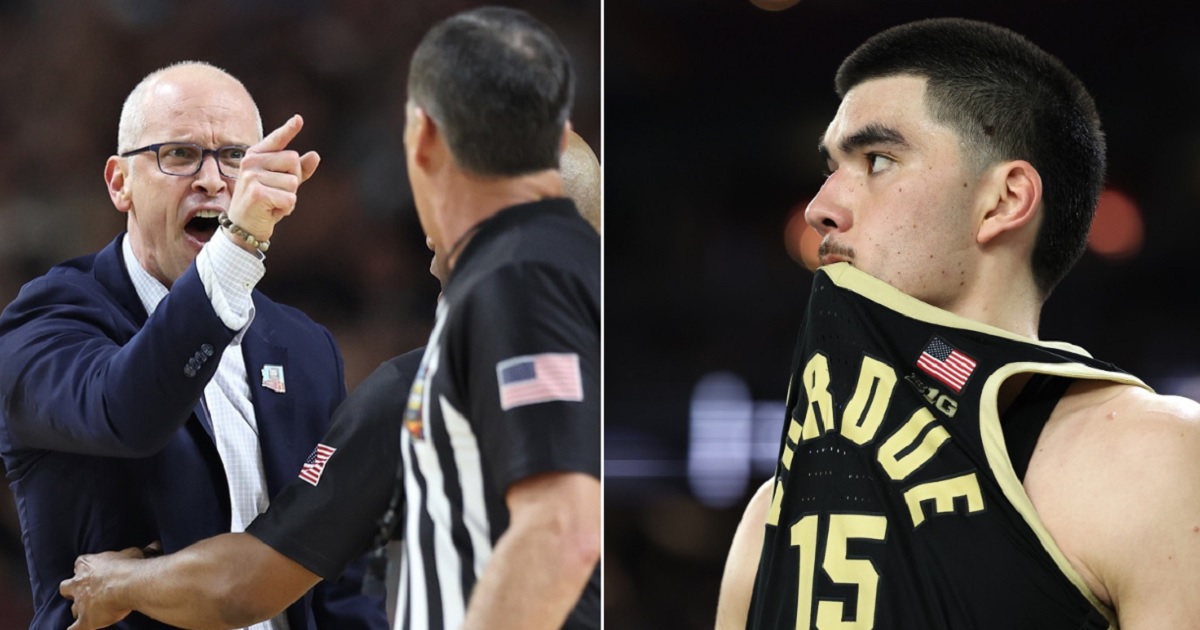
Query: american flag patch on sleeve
point(315, 464)
point(539, 378)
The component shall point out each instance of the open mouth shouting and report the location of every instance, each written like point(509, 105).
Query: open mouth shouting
point(201, 227)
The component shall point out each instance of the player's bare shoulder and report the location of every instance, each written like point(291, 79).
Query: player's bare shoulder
point(1115, 478)
point(1122, 425)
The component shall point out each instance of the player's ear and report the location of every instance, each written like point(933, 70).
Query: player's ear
point(117, 178)
point(1011, 197)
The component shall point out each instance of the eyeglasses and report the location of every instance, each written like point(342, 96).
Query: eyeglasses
point(184, 159)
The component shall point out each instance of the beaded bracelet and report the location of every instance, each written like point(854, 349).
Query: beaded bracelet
point(228, 224)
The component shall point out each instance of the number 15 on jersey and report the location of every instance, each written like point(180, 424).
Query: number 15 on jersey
point(834, 559)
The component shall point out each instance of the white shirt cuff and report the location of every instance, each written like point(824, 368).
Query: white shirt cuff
point(229, 274)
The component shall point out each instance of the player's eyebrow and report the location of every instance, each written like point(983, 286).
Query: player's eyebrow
point(871, 135)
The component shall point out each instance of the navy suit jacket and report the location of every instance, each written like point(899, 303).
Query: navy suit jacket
point(104, 440)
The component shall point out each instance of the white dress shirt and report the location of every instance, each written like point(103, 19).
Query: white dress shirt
point(229, 274)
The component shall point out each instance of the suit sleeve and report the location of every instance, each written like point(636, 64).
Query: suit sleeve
point(79, 376)
point(325, 525)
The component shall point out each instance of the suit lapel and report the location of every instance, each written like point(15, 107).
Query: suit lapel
point(273, 409)
point(109, 269)
point(201, 412)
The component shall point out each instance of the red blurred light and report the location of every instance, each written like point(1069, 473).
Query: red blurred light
point(801, 240)
point(1117, 231)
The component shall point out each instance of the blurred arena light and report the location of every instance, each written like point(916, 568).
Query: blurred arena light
point(774, 5)
point(1117, 231)
point(768, 425)
point(719, 439)
point(801, 241)
point(732, 438)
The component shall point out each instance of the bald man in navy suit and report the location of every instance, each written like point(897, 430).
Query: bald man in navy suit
point(148, 391)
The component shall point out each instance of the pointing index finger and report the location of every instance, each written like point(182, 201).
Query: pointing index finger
point(283, 135)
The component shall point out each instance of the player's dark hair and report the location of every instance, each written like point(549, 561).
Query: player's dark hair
point(499, 84)
point(1008, 100)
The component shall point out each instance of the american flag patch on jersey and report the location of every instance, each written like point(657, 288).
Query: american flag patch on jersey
point(539, 378)
point(946, 363)
point(315, 464)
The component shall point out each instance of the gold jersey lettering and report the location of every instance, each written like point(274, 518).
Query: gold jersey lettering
point(839, 566)
point(844, 569)
point(900, 454)
point(864, 413)
point(793, 438)
point(943, 492)
point(820, 401)
point(899, 467)
point(776, 501)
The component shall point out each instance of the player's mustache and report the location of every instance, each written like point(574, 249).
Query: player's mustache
point(830, 248)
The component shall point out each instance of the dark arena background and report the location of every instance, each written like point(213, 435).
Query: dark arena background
point(352, 255)
point(712, 113)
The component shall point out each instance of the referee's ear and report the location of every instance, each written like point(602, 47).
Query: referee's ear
point(565, 141)
point(425, 142)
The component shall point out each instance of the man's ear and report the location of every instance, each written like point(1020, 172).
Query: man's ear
point(566, 138)
point(118, 183)
point(1012, 198)
point(428, 144)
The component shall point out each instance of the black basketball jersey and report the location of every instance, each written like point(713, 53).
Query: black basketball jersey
point(896, 504)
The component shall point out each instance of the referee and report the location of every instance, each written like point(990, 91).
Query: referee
point(500, 445)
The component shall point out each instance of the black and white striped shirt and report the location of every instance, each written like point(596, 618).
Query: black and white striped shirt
point(509, 387)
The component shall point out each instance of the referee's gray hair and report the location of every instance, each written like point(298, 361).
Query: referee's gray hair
point(133, 113)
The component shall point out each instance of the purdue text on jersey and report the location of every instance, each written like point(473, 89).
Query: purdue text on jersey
point(896, 504)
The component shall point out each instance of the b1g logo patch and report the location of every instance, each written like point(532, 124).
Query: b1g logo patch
point(943, 403)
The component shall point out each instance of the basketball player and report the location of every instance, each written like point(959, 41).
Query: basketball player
point(940, 466)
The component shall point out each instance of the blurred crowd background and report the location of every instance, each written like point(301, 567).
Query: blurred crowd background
point(352, 256)
point(712, 113)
